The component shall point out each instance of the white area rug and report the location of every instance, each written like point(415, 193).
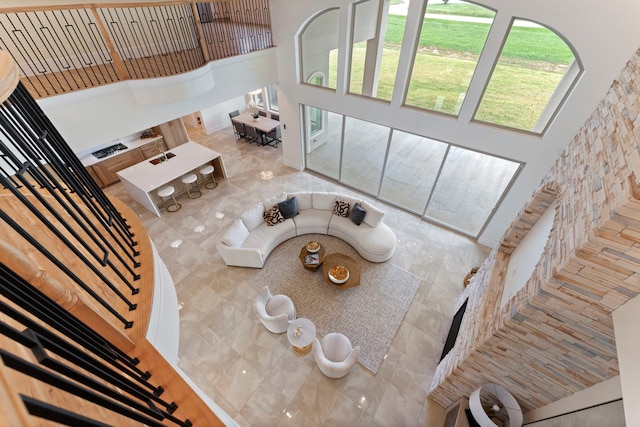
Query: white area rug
point(369, 314)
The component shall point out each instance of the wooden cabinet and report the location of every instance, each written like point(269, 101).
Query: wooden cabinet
point(106, 169)
point(173, 132)
point(151, 149)
point(94, 175)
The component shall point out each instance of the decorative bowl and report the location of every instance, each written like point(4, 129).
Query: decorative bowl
point(338, 274)
point(313, 247)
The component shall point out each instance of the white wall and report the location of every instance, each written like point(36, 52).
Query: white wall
point(527, 254)
point(604, 38)
point(216, 117)
point(605, 391)
point(625, 323)
point(91, 117)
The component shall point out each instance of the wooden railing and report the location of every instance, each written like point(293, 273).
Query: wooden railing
point(67, 48)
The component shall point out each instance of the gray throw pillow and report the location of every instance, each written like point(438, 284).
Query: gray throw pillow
point(288, 208)
point(357, 214)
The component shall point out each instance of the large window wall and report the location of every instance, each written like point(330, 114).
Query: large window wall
point(532, 73)
point(441, 182)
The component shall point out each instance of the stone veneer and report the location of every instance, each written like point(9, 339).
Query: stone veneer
point(555, 336)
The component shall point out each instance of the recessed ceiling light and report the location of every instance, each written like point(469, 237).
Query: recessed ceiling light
point(266, 174)
point(176, 243)
point(199, 229)
point(219, 215)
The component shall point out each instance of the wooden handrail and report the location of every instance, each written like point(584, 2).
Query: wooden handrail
point(115, 53)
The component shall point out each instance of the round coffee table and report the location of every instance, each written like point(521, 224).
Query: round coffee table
point(312, 265)
point(301, 333)
point(332, 260)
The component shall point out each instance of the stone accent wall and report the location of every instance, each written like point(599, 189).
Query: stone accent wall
point(555, 336)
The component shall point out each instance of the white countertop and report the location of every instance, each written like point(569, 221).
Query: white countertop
point(90, 159)
point(188, 156)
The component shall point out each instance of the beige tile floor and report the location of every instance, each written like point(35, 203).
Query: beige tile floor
point(254, 375)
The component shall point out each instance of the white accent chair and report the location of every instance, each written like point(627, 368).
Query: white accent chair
point(335, 355)
point(274, 311)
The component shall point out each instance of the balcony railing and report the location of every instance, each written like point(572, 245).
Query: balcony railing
point(66, 48)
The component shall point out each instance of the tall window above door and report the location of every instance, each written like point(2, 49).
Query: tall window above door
point(451, 40)
point(377, 32)
point(318, 47)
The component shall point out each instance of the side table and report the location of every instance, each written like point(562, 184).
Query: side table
point(301, 333)
point(312, 267)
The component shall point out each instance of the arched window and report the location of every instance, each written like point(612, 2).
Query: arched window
point(450, 43)
point(376, 38)
point(318, 43)
point(533, 75)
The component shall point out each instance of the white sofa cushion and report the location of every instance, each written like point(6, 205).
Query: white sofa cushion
point(324, 201)
point(236, 234)
point(373, 243)
point(272, 201)
point(252, 217)
point(304, 199)
point(374, 215)
point(311, 221)
point(266, 238)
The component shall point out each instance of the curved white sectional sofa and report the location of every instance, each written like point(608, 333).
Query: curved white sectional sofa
point(249, 240)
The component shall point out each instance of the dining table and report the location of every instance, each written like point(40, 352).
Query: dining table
point(263, 124)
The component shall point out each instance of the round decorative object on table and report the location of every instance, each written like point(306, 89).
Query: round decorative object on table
point(345, 261)
point(313, 247)
point(338, 274)
point(300, 334)
point(500, 406)
point(312, 260)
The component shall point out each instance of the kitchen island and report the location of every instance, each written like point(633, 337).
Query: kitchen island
point(142, 179)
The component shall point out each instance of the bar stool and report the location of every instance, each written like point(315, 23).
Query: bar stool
point(208, 170)
point(190, 181)
point(167, 191)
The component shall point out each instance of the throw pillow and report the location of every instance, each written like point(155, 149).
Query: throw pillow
point(288, 208)
point(273, 216)
point(357, 214)
point(253, 216)
point(341, 208)
point(236, 234)
point(374, 215)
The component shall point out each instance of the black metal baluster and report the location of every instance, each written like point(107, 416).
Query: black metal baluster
point(58, 381)
point(30, 60)
point(20, 292)
point(64, 268)
point(50, 412)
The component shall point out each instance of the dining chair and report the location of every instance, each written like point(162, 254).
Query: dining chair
point(274, 137)
point(253, 135)
point(239, 130)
